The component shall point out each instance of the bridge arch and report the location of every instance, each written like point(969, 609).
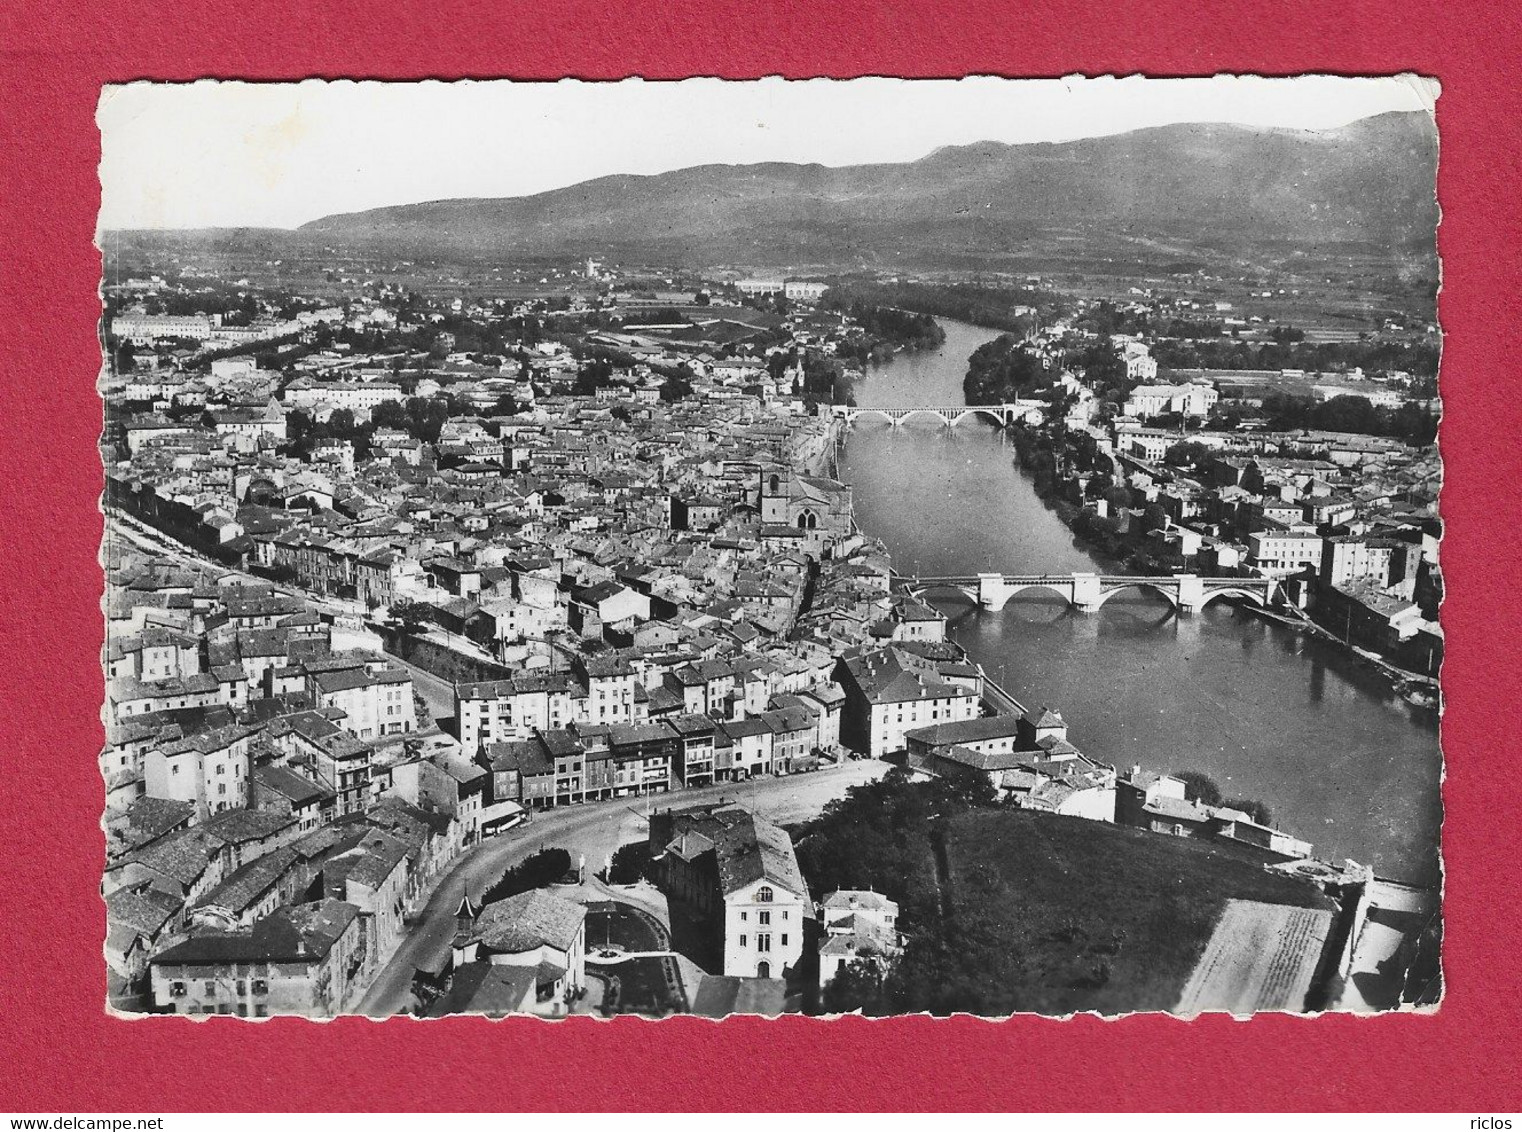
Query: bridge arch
point(945, 589)
point(1254, 596)
point(853, 415)
point(1063, 589)
point(993, 413)
point(1163, 587)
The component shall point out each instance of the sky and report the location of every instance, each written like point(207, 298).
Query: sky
point(223, 154)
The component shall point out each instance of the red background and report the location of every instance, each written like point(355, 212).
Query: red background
point(61, 1052)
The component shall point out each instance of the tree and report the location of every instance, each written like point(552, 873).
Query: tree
point(675, 388)
point(1101, 365)
point(1154, 518)
point(1348, 413)
point(1000, 371)
point(539, 870)
point(1118, 496)
point(1412, 423)
point(856, 986)
point(592, 376)
point(1186, 454)
point(1200, 787)
point(411, 615)
point(630, 864)
point(1258, 811)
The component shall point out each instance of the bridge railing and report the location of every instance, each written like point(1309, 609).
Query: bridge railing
point(1104, 579)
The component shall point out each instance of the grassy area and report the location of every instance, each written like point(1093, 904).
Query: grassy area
point(621, 926)
point(1098, 917)
point(651, 987)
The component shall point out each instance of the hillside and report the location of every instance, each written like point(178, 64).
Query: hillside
point(1017, 911)
point(1369, 185)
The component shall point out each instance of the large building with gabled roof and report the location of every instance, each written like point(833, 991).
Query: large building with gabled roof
point(740, 871)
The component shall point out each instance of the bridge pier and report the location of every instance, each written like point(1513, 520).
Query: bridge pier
point(1086, 595)
point(1191, 593)
point(993, 593)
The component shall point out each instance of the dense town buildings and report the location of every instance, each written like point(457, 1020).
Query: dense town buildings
point(376, 605)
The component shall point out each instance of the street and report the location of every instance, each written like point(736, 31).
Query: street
point(593, 830)
point(437, 693)
point(155, 542)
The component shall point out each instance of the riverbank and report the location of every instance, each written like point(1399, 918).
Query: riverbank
point(1416, 689)
point(1250, 701)
point(1121, 550)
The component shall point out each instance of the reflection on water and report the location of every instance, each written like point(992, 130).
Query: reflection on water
point(1267, 713)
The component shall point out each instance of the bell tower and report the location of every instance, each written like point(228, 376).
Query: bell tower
point(775, 489)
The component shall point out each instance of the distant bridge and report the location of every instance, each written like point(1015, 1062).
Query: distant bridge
point(949, 415)
point(1187, 593)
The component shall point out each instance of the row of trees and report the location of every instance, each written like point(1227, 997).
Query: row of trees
point(886, 330)
point(1201, 788)
point(1418, 358)
point(538, 870)
point(1351, 413)
point(1001, 370)
point(990, 305)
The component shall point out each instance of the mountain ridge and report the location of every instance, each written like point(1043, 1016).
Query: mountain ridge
point(1370, 182)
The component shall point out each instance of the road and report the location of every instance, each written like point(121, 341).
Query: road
point(155, 542)
point(437, 692)
point(593, 830)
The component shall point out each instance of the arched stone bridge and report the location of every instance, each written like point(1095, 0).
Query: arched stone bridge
point(949, 415)
point(1187, 593)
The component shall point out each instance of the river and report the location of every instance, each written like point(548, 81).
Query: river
point(1266, 712)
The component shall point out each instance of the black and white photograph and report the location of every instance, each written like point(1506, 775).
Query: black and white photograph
point(704, 547)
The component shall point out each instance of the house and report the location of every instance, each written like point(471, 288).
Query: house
point(522, 771)
point(536, 932)
point(910, 619)
point(610, 685)
point(501, 710)
point(303, 959)
point(138, 919)
point(494, 990)
point(251, 892)
point(858, 927)
point(826, 702)
point(889, 692)
point(644, 755)
point(282, 789)
point(445, 783)
point(1194, 399)
point(209, 769)
point(695, 733)
point(750, 742)
point(607, 604)
point(372, 877)
point(337, 760)
point(373, 703)
point(989, 735)
point(1281, 551)
point(740, 873)
point(1158, 802)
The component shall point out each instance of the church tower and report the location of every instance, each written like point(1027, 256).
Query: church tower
point(776, 487)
